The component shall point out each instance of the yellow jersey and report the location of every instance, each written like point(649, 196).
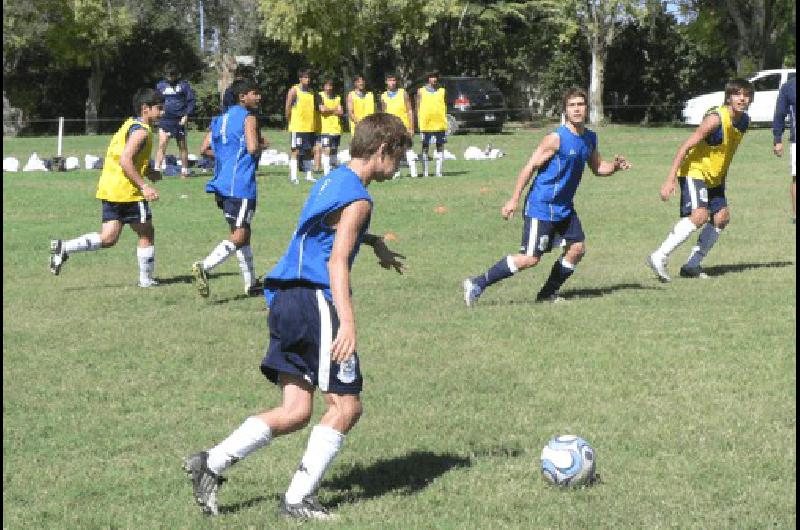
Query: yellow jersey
point(304, 112)
point(330, 124)
point(114, 186)
point(396, 104)
point(709, 160)
point(432, 110)
point(363, 106)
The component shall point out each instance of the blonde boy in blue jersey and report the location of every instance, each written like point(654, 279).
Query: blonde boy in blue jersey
point(432, 115)
point(701, 167)
point(123, 191)
point(330, 112)
point(301, 114)
point(396, 101)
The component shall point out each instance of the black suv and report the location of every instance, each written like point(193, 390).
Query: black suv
point(472, 103)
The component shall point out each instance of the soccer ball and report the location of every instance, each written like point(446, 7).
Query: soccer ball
point(568, 460)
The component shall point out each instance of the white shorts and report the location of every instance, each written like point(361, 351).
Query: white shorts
point(793, 150)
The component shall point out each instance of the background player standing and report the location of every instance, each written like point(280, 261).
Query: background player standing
point(360, 103)
point(123, 192)
point(312, 324)
point(432, 115)
point(786, 105)
point(331, 112)
point(301, 113)
point(179, 103)
point(396, 101)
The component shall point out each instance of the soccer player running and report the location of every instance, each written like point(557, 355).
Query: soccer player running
point(786, 105)
point(236, 144)
point(701, 167)
point(331, 112)
point(360, 103)
point(123, 192)
point(312, 324)
point(549, 210)
point(301, 114)
point(432, 115)
point(396, 101)
point(179, 104)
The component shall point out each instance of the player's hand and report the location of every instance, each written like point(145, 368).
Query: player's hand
point(667, 189)
point(621, 163)
point(508, 209)
point(778, 149)
point(149, 192)
point(183, 121)
point(387, 258)
point(344, 344)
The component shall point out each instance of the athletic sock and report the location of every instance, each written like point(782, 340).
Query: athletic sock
point(326, 164)
point(562, 269)
point(293, 169)
point(323, 446)
point(412, 165)
point(245, 257)
point(251, 435)
point(708, 236)
point(439, 159)
point(424, 164)
point(680, 233)
point(497, 272)
point(218, 255)
point(147, 262)
point(84, 243)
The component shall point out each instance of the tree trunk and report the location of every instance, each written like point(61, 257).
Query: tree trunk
point(95, 86)
point(596, 83)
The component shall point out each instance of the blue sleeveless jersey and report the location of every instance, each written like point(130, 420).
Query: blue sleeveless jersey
point(234, 167)
point(551, 194)
point(306, 259)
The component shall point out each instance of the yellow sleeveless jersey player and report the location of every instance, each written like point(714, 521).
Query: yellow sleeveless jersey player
point(432, 110)
point(710, 162)
point(304, 114)
point(330, 124)
point(114, 186)
point(396, 105)
point(363, 106)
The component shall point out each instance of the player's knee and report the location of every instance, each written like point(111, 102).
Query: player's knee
point(350, 411)
point(523, 261)
point(108, 240)
point(577, 250)
point(699, 217)
point(298, 416)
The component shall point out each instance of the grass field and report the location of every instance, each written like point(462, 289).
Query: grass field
point(687, 391)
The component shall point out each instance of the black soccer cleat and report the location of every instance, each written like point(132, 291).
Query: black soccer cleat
point(205, 482)
point(57, 255)
point(693, 272)
point(310, 508)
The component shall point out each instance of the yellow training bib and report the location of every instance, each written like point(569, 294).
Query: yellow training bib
point(710, 162)
point(114, 186)
point(304, 113)
point(432, 110)
point(363, 106)
point(331, 124)
point(396, 104)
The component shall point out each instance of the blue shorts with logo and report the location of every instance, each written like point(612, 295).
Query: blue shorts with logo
point(438, 138)
point(695, 194)
point(302, 326)
point(127, 212)
point(173, 128)
point(539, 236)
point(304, 141)
point(238, 212)
point(330, 140)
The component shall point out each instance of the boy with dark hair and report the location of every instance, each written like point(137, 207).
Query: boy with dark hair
point(179, 103)
point(330, 111)
point(301, 109)
point(229, 98)
point(360, 103)
point(432, 115)
point(395, 101)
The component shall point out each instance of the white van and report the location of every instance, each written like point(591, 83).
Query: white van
point(766, 84)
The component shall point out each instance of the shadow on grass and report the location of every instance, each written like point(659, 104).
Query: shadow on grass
point(719, 270)
point(235, 507)
point(570, 294)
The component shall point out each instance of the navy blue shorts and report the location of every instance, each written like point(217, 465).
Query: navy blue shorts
point(695, 194)
point(438, 138)
point(302, 326)
point(539, 236)
point(172, 128)
point(330, 140)
point(238, 212)
point(303, 141)
point(127, 212)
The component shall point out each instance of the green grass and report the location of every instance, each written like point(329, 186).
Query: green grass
point(687, 391)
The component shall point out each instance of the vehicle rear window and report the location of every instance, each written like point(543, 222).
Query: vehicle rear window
point(476, 85)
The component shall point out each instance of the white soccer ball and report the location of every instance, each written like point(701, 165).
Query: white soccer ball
point(568, 460)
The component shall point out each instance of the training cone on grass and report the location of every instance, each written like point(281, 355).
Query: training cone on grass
point(441, 209)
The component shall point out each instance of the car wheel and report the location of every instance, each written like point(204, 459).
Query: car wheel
point(452, 125)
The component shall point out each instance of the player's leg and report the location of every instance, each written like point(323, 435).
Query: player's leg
point(720, 217)
point(244, 254)
point(183, 150)
point(325, 143)
point(440, 141)
point(112, 219)
point(146, 251)
point(294, 158)
point(163, 141)
point(309, 154)
point(317, 157)
point(793, 185)
point(572, 233)
point(425, 149)
point(411, 160)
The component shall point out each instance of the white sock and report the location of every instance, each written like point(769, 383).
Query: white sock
point(218, 255)
point(323, 445)
point(251, 435)
point(412, 165)
point(245, 256)
point(680, 233)
point(708, 236)
point(293, 169)
point(147, 262)
point(439, 159)
point(84, 243)
point(326, 164)
point(424, 164)
point(567, 265)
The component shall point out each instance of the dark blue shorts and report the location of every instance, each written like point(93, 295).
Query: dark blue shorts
point(695, 194)
point(539, 236)
point(238, 212)
point(172, 128)
point(330, 140)
point(438, 138)
point(127, 212)
point(302, 326)
point(304, 141)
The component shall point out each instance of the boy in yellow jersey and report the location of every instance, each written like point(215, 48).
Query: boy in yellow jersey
point(396, 101)
point(123, 191)
point(301, 114)
point(360, 103)
point(701, 166)
point(330, 111)
point(432, 115)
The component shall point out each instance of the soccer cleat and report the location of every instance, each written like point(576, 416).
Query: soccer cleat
point(693, 272)
point(471, 292)
point(201, 278)
point(205, 482)
point(310, 508)
point(149, 282)
point(309, 178)
point(294, 181)
point(256, 289)
point(659, 266)
point(57, 255)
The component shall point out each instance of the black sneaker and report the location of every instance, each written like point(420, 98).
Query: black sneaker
point(57, 255)
point(205, 482)
point(310, 508)
point(693, 272)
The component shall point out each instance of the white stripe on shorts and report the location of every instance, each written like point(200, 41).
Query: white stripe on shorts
point(325, 342)
point(142, 212)
point(242, 212)
point(692, 193)
point(531, 237)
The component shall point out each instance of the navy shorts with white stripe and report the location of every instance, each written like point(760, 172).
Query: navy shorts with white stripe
point(539, 236)
point(238, 212)
point(127, 212)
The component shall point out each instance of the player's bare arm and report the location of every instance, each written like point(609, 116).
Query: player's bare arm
point(205, 147)
point(347, 222)
point(778, 149)
point(706, 127)
point(135, 142)
point(290, 97)
point(387, 258)
point(604, 168)
point(350, 114)
point(410, 113)
point(544, 152)
point(252, 136)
